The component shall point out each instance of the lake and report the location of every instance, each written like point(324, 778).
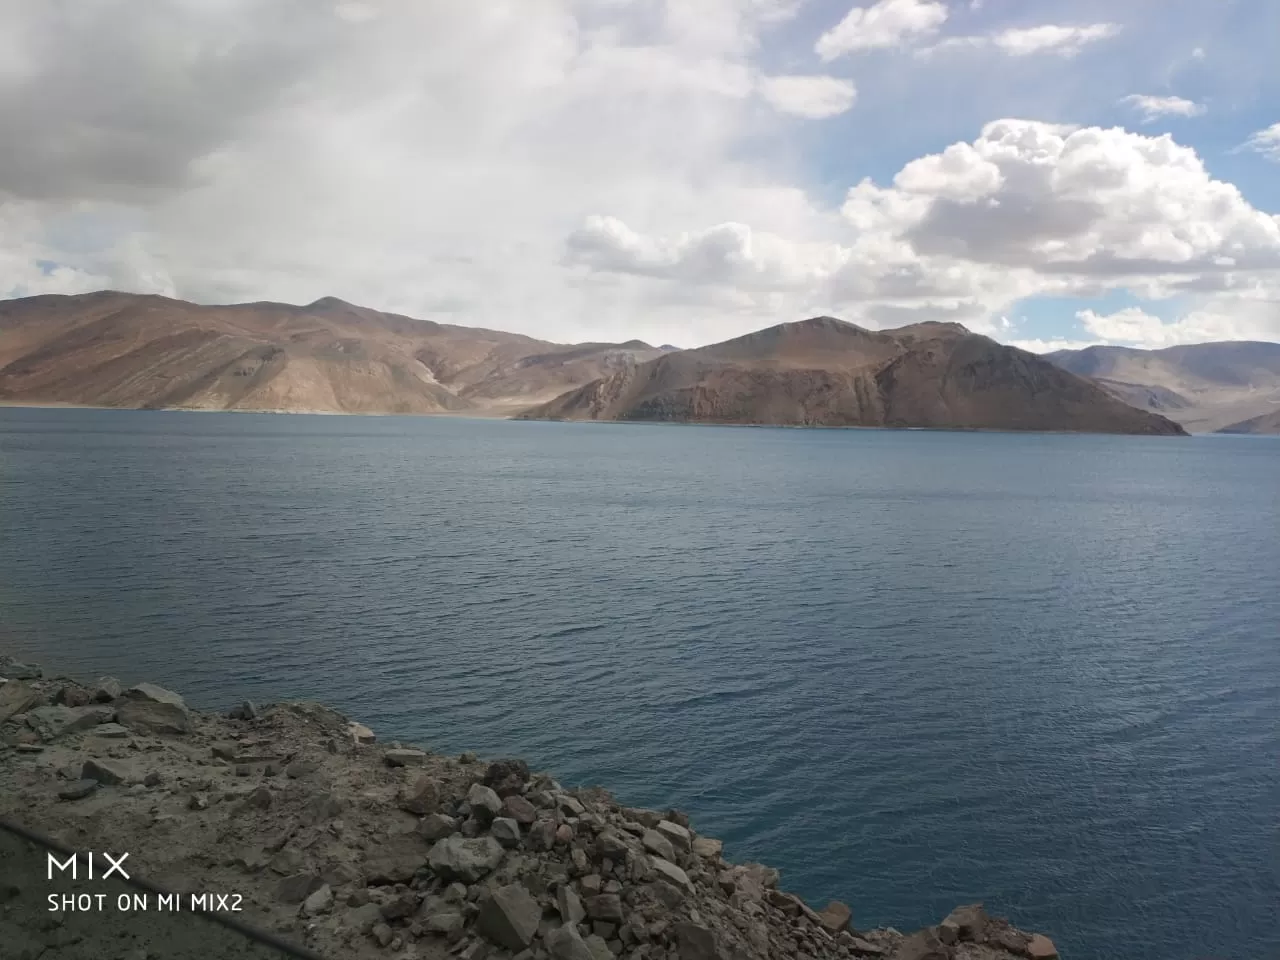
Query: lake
point(910, 669)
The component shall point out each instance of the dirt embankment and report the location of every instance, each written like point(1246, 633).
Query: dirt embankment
point(358, 849)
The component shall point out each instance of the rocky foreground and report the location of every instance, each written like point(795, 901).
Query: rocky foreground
point(359, 849)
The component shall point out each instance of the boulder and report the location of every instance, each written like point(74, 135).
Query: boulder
point(597, 947)
point(51, 723)
point(436, 826)
point(708, 848)
point(77, 789)
point(405, 758)
point(423, 797)
point(565, 943)
point(393, 864)
point(106, 689)
point(111, 731)
point(17, 670)
point(364, 917)
point(360, 733)
point(1041, 947)
point(696, 942)
point(74, 695)
point(506, 831)
point(671, 872)
point(509, 918)
point(967, 923)
point(657, 844)
point(569, 906)
point(605, 906)
point(924, 945)
point(320, 901)
point(153, 709)
point(679, 836)
point(507, 777)
point(15, 698)
point(835, 917)
point(484, 803)
point(444, 922)
point(465, 859)
point(245, 710)
point(104, 772)
point(519, 809)
point(299, 887)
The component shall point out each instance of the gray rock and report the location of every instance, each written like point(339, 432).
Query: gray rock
point(924, 945)
point(77, 789)
point(107, 689)
point(154, 710)
point(656, 843)
point(542, 835)
point(246, 710)
point(967, 923)
point(104, 772)
point(696, 942)
point(509, 917)
point(52, 723)
point(423, 796)
point(300, 769)
point(571, 910)
point(392, 865)
point(565, 943)
point(506, 831)
point(364, 918)
point(16, 670)
point(74, 695)
point(605, 906)
point(360, 733)
point(298, 888)
point(610, 845)
point(110, 731)
point(468, 860)
point(598, 948)
point(16, 698)
point(570, 806)
point(404, 758)
point(835, 916)
point(437, 826)
point(707, 847)
point(519, 809)
point(484, 803)
point(320, 901)
point(678, 835)
point(444, 923)
point(671, 872)
point(321, 807)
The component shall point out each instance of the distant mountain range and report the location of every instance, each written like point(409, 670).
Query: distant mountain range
point(825, 372)
point(1230, 387)
point(125, 350)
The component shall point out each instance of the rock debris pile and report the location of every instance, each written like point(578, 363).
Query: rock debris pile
point(359, 849)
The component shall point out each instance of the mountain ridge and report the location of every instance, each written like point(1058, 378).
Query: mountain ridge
point(826, 372)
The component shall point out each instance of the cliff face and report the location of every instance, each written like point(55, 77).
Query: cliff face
point(359, 850)
point(123, 350)
point(824, 372)
point(1203, 386)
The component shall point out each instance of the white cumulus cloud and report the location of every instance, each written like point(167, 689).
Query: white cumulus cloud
point(1266, 142)
point(1064, 41)
point(1152, 108)
point(888, 23)
point(814, 97)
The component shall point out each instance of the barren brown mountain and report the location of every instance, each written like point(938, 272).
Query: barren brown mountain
point(825, 372)
point(1203, 386)
point(125, 350)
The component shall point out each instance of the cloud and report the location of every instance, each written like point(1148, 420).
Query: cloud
point(814, 97)
point(1049, 38)
point(888, 23)
point(1266, 142)
point(1151, 108)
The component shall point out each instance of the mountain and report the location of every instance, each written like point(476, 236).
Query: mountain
point(825, 372)
point(1266, 423)
point(1203, 386)
point(125, 350)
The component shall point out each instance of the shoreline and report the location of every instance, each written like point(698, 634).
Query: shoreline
point(354, 848)
point(514, 418)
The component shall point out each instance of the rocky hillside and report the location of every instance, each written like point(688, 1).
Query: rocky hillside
point(124, 350)
point(1203, 386)
point(1267, 423)
point(359, 850)
point(824, 372)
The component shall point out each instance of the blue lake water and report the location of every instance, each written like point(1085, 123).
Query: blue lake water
point(910, 669)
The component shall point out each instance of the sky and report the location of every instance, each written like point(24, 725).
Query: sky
point(1050, 174)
